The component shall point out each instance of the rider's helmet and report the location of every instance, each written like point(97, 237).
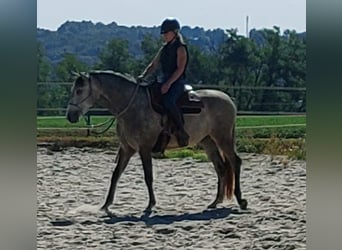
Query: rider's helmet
point(169, 25)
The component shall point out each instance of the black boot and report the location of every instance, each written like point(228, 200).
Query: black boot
point(181, 135)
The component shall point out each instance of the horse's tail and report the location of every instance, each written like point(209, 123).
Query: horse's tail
point(229, 180)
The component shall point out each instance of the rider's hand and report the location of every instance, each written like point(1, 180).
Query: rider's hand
point(165, 88)
point(140, 77)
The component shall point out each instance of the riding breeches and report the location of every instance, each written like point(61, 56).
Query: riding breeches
point(170, 99)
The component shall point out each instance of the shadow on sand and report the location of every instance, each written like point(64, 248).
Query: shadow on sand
point(218, 213)
point(149, 220)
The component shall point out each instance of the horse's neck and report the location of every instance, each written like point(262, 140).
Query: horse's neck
point(120, 95)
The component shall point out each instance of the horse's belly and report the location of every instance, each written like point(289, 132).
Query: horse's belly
point(195, 137)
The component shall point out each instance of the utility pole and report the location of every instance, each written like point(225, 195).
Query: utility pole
point(247, 35)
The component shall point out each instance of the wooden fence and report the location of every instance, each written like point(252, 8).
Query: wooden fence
point(300, 103)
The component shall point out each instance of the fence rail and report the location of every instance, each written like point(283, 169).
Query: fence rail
point(211, 86)
point(105, 112)
point(272, 107)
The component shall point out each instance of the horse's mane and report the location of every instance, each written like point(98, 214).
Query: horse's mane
point(125, 76)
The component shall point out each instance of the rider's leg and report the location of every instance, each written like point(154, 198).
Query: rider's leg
point(169, 102)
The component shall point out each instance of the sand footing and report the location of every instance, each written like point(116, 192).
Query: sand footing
point(72, 184)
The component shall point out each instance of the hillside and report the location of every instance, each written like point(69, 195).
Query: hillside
point(86, 39)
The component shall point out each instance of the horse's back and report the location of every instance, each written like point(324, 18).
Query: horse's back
point(216, 100)
point(218, 114)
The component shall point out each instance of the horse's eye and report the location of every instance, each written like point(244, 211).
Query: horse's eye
point(78, 91)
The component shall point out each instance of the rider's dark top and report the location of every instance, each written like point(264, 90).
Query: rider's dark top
point(168, 58)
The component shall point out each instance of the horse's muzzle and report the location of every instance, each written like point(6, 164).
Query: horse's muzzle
point(73, 116)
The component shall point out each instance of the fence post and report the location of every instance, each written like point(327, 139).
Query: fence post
point(88, 124)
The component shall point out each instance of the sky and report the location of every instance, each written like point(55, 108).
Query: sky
point(208, 14)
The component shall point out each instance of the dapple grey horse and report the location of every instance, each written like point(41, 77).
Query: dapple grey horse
point(138, 127)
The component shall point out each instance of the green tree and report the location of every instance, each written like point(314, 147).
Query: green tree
point(240, 65)
point(55, 95)
point(43, 71)
point(69, 64)
point(149, 46)
point(294, 69)
point(273, 57)
point(115, 56)
point(202, 67)
point(284, 65)
point(43, 67)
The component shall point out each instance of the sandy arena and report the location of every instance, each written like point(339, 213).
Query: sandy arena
point(72, 181)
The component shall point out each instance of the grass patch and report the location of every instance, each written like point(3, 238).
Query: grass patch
point(78, 141)
point(62, 122)
point(242, 121)
point(293, 148)
point(196, 154)
point(246, 121)
point(268, 132)
point(254, 134)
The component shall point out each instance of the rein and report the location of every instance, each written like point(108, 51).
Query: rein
point(90, 126)
point(130, 101)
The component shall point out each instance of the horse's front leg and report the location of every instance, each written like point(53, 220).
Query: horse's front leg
point(123, 157)
point(148, 172)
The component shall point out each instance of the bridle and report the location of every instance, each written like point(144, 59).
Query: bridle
point(84, 99)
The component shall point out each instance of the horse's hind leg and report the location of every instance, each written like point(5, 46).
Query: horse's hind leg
point(213, 154)
point(146, 159)
point(227, 150)
point(237, 191)
point(124, 155)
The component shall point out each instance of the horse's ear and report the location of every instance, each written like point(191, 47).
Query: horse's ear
point(84, 75)
point(74, 73)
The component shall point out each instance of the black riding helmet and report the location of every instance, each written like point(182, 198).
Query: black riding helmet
point(169, 25)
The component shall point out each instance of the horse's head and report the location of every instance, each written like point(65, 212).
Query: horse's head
point(82, 98)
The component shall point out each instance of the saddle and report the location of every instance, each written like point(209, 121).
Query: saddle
point(188, 103)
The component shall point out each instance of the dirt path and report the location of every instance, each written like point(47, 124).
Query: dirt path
point(274, 187)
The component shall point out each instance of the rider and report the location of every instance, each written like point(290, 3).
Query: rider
point(173, 59)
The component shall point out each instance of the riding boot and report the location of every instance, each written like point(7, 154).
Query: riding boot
point(180, 133)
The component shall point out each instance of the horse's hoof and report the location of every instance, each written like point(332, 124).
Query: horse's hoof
point(109, 213)
point(106, 210)
point(243, 204)
point(212, 205)
point(148, 210)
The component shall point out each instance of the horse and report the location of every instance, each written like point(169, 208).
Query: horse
point(138, 126)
